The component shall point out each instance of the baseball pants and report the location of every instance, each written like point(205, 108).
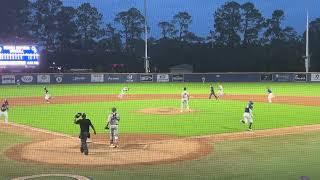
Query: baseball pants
point(5, 114)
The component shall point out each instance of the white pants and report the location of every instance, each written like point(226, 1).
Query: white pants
point(5, 114)
point(270, 96)
point(247, 118)
point(184, 104)
point(220, 93)
point(47, 97)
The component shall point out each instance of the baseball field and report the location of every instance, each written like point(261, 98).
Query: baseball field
point(157, 141)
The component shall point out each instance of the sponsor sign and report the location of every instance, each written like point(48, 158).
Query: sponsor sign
point(130, 78)
point(162, 77)
point(266, 77)
point(43, 78)
point(177, 78)
point(315, 77)
point(300, 77)
point(58, 78)
point(8, 79)
point(113, 78)
point(146, 78)
point(79, 78)
point(97, 78)
point(282, 77)
point(27, 79)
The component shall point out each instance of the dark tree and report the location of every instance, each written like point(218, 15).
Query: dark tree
point(167, 29)
point(228, 24)
point(89, 22)
point(112, 39)
point(314, 44)
point(132, 22)
point(252, 24)
point(182, 20)
point(274, 30)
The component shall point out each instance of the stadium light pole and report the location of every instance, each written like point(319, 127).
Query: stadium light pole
point(307, 57)
point(146, 58)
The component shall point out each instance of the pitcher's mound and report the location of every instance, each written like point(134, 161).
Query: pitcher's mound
point(164, 111)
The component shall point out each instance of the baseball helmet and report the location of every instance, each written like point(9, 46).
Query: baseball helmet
point(114, 109)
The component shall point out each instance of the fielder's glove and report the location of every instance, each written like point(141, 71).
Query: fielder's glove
point(78, 115)
point(107, 127)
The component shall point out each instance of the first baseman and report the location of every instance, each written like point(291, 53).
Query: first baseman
point(270, 95)
point(85, 124)
point(185, 100)
point(212, 92)
point(4, 110)
point(113, 126)
point(248, 115)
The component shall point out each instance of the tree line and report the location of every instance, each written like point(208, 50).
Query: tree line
point(242, 39)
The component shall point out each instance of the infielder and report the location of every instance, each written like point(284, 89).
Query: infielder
point(4, 110)
point(47, 96)
point(81, 119)
point(185, 100)
point(270, 95)
point(248, 115)
point(113, 126)
point(212, 92)
point(123, 92)
point(220, 91)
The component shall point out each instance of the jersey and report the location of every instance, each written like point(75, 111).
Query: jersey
point(220, 88)
point(4, 107)
point(113, 119)
point(211, 89)
point(185, 96)
point(124, 90)
point(269, 91)
point(84, 125)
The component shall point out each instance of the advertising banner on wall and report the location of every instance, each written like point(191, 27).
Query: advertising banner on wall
point(266, 77)
point(97, 78)
point(177, 78)
point(43, 78)
point(146, 77)
point(112, 78)
point(282, 77)
point(300, 77)
point(8, 79)
point(315, 77)
point(58, 78)
point(26, 79)
point(131, 78)
point(79, 78)
point(163, 78)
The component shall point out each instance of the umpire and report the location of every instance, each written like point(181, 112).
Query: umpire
point(81, 119)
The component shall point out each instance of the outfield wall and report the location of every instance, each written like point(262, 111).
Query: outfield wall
point(78, 78)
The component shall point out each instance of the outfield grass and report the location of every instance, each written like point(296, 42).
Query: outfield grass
point(290, 89)
point(284, 157)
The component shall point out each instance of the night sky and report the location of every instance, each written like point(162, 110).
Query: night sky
point(202, 11)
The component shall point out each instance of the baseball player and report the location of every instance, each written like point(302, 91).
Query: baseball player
point(248, 115)
point(4, 110)
point(220, 91)
point(185, 100)
point(212, 92)
point(47, 96)
point(113, 126)
point(85, 124)
point(270, 95)
point(18, 83)
point(123, 92)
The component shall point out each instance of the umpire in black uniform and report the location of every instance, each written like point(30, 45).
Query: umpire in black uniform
point(84, 123)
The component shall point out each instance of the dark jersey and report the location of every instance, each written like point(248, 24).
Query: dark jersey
point(211, 89)
point(4, 107)
point(269, 90)
point(84, 124)
point(46, 91)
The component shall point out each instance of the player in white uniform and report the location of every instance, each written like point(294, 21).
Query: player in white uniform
point(47, 96)
point(248, 115)
point(270, 95)
point(185, 100)
point(220, 91)
point(123, 92)
point(4, 110)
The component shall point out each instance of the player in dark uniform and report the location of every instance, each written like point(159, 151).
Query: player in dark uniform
point(85, 124)
point(212, 92)
point(248, 115)
point(4, 110)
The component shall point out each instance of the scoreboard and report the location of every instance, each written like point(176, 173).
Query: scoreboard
point(19, 56)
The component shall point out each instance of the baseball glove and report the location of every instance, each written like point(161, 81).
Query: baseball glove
point(78, 115)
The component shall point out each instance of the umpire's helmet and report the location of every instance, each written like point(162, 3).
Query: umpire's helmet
point(114, 109)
